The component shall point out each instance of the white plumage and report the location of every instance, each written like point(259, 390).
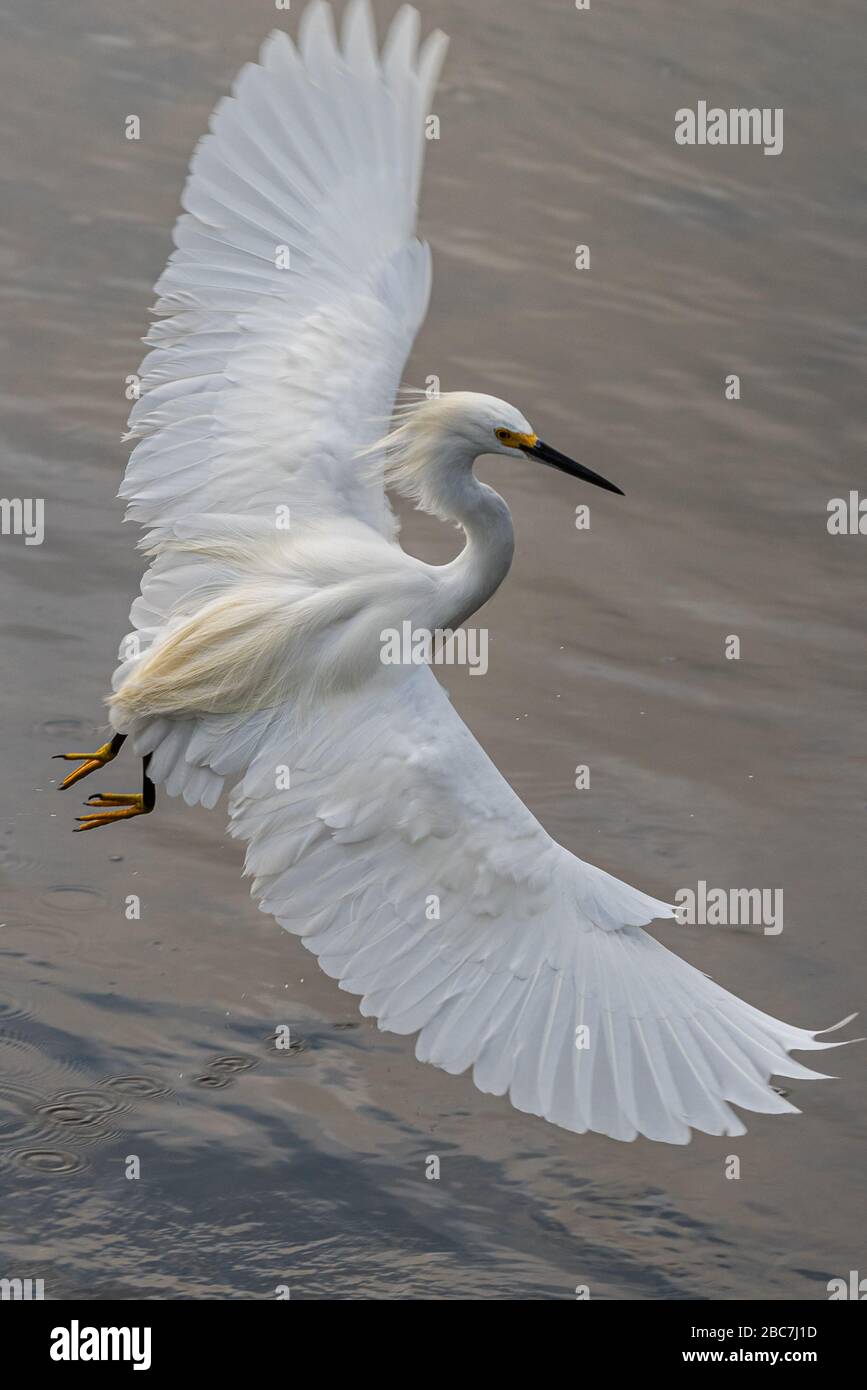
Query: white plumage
point(285, 317)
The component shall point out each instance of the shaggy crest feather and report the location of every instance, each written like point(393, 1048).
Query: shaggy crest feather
point(425, 455)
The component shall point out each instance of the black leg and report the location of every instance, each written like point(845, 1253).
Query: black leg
point(123, 805)
point(148, 789)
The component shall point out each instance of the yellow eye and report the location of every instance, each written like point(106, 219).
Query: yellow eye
point(503, 435)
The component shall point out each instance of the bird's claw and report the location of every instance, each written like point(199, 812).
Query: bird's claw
point(126, 804)
point(115, 799)
point(90, 763)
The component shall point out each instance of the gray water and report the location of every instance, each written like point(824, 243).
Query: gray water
point(154, 1037)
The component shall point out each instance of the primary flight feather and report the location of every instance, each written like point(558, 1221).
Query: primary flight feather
point(284, 319)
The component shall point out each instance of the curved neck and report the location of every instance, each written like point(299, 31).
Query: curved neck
point(474, 575)
point(434, 467)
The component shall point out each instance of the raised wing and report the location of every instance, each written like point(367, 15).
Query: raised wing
point(420, 880)
point(287, 311)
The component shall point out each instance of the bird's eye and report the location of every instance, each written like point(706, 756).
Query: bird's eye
point(503, 435)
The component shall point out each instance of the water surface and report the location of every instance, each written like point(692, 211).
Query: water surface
point(154, 1037)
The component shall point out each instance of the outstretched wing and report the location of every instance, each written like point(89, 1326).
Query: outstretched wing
point(420, 880)
point(287, 311)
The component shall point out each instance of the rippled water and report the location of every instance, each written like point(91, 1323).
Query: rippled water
point(155, 1037)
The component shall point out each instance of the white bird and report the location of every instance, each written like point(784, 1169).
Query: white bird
point(285, 316)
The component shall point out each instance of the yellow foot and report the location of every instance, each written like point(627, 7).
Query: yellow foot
point(128, 805)
point(115, 799)
point(91, 761)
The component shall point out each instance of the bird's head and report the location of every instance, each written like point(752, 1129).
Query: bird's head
point(432, 448)
point(493, 426)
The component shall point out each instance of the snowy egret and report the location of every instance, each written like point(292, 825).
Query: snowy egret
point(284, 319)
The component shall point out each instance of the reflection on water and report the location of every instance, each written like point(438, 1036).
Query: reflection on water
point(155, 1037)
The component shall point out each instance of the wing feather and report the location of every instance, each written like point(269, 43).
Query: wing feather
point(287, 310)
point(393, 807)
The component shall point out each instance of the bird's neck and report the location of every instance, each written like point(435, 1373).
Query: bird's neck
point(479, 570)
point(435, 471)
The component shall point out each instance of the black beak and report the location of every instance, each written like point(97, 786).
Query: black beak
point(545, 454)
